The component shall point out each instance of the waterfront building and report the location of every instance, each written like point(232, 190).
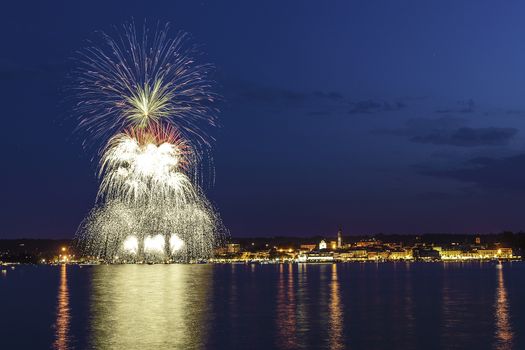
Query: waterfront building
point(451, 254)
point(400, 254)
point(352, 255)
point(377, 255)
point(232, 248)
point(426, 254)
point(308, 247)
point(498, 253)
point(316, 257)
point(257, 256)
point(322, 244)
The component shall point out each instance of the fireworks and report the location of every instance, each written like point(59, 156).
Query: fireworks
point(146, 167)
point(136, 80)
point(149, 101)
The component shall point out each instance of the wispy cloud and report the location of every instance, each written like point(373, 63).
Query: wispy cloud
point(464, 106)
point(374, 106)
point(452, 131)
point(484, 172)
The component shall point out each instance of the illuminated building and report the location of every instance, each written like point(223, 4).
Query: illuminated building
point(400, 254)
point(340, 238)
point(352, 255)
point(232, 248)
point(426, 254)
point(257, 256)
point(308, 247)
point(499, 253)
point(451, 254)
point(368, 243)
point(377, 255)
point(316, 257)
point(322, 244)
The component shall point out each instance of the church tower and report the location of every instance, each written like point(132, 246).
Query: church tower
point(340, 238)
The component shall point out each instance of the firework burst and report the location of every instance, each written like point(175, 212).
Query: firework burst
point(137, 79)
point(150, 102)
point(146, 166)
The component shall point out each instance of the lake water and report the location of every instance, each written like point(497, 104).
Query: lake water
point(332, 306)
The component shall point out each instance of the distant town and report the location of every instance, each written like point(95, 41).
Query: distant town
point(377, 248)
point(337, 248)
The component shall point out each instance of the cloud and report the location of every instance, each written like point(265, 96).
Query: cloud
point(453, 132)
point(484, 172)
point(469, 137)
point(252, 92)
point(316, 103)
point(467, 106)
point(373, 106)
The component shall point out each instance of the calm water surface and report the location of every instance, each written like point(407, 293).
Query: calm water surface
point(332, 306)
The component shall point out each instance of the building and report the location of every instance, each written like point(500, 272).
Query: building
point(377, 255)
point(352, 255)
point(340, 238)
point(368, 242)
point(451, 254)
point(499, 253)
point(308, 247)
point(232, 248)
point(400, 254)
point(322, 244)
point(426, 254)
point(316, 257)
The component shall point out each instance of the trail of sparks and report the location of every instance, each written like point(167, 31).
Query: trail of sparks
point(146, 167)
point(150, 102)
point(135, 80)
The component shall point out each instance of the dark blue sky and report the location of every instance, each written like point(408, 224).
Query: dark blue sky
point(382, 116)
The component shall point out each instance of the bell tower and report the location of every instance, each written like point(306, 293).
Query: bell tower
point(340, 238)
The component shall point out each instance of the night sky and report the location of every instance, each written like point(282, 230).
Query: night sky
point(380, 116)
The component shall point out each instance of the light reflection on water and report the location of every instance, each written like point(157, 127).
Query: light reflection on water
point(286, 309)
point(336, 313)
point(504, 333)
point(62, 336)
point(150, 307)
point(291, 306)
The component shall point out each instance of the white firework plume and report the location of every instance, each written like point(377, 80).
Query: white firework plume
point(149, 209)
point(145, 95)
point(146, 166)
point(117, 231)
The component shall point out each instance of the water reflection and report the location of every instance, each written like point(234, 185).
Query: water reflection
point(504, 332)
point(150, 307)
point(63, 313)
point(336, 314)
point(286, 307)
point(302, 310)
point(408, 303)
